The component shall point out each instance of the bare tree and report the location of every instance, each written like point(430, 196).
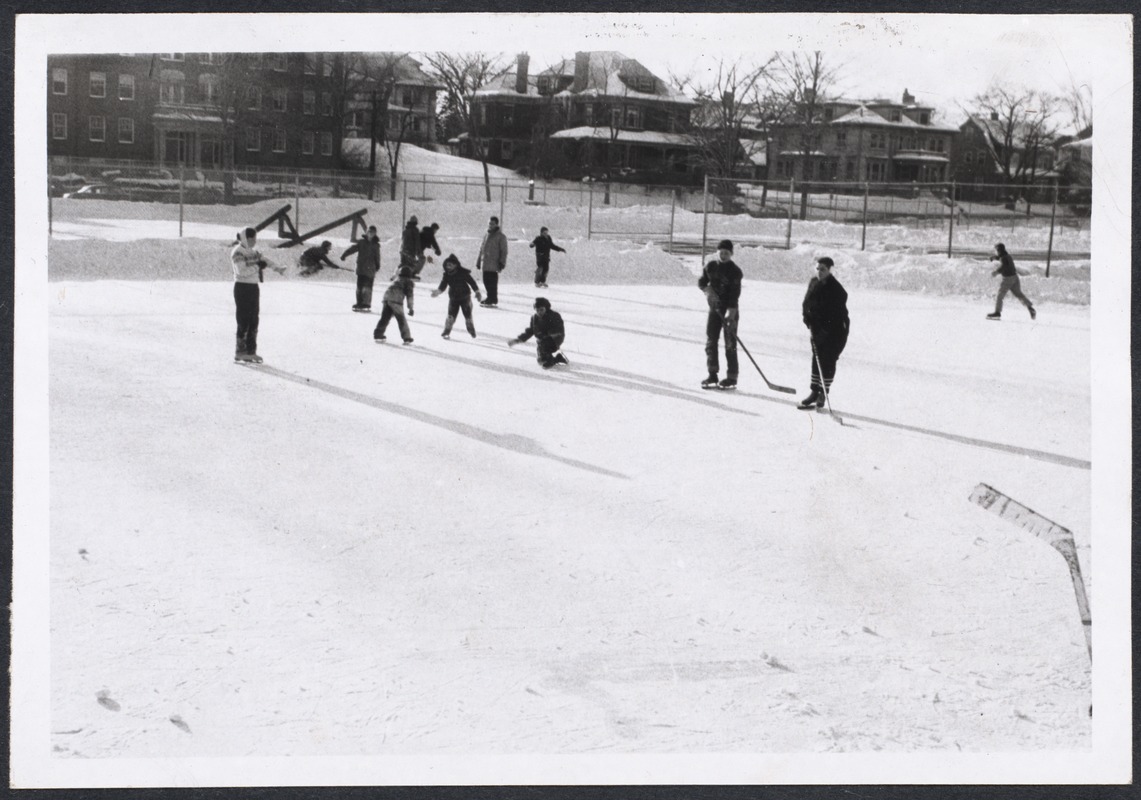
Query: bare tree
point(804, 80)
point(461, 74)
point(236, 98)
point(1023, 123)
point(1078, 103)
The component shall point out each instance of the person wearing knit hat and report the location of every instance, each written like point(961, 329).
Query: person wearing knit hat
point(549, 332)
point(248, 264)
point(721, 282)
point(460, 284)
point(402, 288)
point(1010, 282)
point(825, 314)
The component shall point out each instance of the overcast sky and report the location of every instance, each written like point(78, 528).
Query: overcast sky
point(944, 60)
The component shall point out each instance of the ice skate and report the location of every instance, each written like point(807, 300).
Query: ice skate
point(1033, 313)
point(710, 382)
point(994, 315)
point(408, 341)
point(380, 338)
point(559, 358)
point(814, 400)
point(728, 383)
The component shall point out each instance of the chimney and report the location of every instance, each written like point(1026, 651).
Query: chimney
point(521, 73)
point(581, 72)
point(727, 98)
point(908, 99)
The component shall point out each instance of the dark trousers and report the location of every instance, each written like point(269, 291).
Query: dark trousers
point(389, 311)
point(713, 326)
point(491, 284)
point(247, 307)
point(364, 291)
point(541, 268)
point(454, 308)
point(418, 264)
point(545, 349)
point(1014, 286)
point(828, 350)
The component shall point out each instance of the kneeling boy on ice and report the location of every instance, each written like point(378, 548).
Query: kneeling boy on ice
point(401, 288)
point(547, 328)
point(460, 284)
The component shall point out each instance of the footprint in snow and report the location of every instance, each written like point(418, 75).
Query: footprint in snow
point(103, 697)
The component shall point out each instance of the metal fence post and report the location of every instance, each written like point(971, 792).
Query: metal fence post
point(951, 221)
point(673, 206)
point(297, 201)
point(1050, 244)
point(403, 201)
point(589, 211)
point(181, 187)
point(704, 215)
point(864, 226)
point(788, 231)
point(502, 200)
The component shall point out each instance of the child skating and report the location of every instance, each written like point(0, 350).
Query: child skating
point(547, 328)
point(1010, 282)
point(543, 246)
point(460, 285)
point(400, 290)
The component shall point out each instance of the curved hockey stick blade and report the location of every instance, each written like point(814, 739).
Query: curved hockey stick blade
point(775, 387)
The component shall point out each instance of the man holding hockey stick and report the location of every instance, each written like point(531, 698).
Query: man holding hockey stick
point(825, 313)
point(721, 282)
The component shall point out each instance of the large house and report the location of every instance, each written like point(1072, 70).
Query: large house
point(411, 112)
point(595, 114)
point(864, 141)
point(985, 142)
point(166, 108)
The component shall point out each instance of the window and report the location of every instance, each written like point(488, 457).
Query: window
point(841, 138)
point(172, 56)
point(633, 118)
point(309, 102)
point(205, 58)
point(172, 91)
point(408, 98)
point(970, 157)
point(416, 124)
point(253, 98)
point(253, 139)
point(208, 88)
point(937, 145)
point(96, 129)
point(277, 62)
point(615, 118)
point(646, 84)
point(126, 130)
point(59, 126)
point(506, 149)
point(126, 87)
point(326, 144)
point(278, 100)
point(875, 141)
point(279, 140)
point(327, 104)
point(311, 63)
point(59, 81)
point(850, 170)
point(507, 116)
point(980, 156)
point(588, 113)
point(482, 114)
point(326, 67)
point(98, 84)
point(894, 115)
point(544, 85)
point(925, 118)
point(308, 142)
point(875, 170)
point(828, 114)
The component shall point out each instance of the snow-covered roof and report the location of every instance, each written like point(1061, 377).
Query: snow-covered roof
point(863, 115)
point(605, 71)
point(1079, 144)
point(632, 137)
point(913, 156)
point(505, 84)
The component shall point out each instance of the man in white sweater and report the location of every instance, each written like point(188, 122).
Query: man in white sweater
point(248, 263)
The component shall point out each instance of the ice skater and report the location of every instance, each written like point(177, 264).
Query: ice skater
point(460, 284)
point(315, 259)
point(410, 251)
point(427, 240)
point(248, 263)
point(492, 260)
point(368, 264)
point(401, 289)
point(543, 246)
point(1010, 282)
point(547, 328)
point(825, 312)
point(721, 282)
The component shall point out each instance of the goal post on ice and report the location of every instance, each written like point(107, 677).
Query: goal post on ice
point(1061, 539)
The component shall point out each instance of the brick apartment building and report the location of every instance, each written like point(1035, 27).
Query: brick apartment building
point(411, 112)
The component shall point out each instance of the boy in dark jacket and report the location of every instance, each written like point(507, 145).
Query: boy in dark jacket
point(410, 244)
point(401, 288)
point(825, 312)
point(1010, 282)
point(315, 258)
point(427, 239)
point(721, 282)
point(460, 284)
point(547, 328)
point(543, 247)
point(368, 263)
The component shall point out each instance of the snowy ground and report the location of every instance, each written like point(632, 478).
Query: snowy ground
point(443, 552)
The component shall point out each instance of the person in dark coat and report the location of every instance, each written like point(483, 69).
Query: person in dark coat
point(1010, 282)
point(460, 284)
point(410, 244)
point(427, 239)
point(547, 328)
point(721, 282)
point(543, 247)
point(368, 263)
point(401, 289)
point(315, 259)
point(825, 312)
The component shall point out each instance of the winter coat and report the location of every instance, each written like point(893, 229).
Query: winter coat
point(459, 282)
point(315, 257)
point(825, 310)
point(492, 252)
point(547, 328)
point(721, 282)
point(1006, 266)
point(428, 239)
point(398, 290)
point(410, 244)
point(543, 247)
point(248, 261)
point(368, 256)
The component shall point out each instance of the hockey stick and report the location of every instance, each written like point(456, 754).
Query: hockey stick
point(823, 388)
point(770, 384)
